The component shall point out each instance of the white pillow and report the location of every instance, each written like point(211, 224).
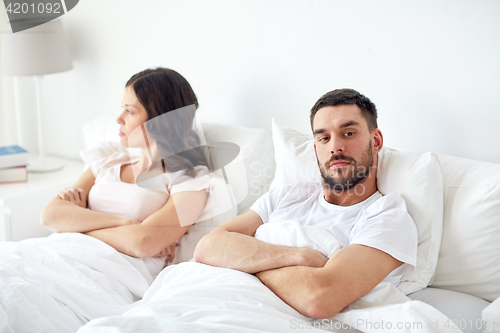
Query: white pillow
point(100, 150)
point(253, 171)
point(419, 179)
point(101, 139)
point(469, 259)
point(100, 129)
point(294, 156)
point(416, 177)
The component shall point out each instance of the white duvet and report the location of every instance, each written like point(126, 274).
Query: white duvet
point(193, 297)
point(60, 282)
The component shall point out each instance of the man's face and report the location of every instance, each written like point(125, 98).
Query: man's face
point(344, 146)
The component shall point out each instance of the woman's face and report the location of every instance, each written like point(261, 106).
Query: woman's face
point(132, 117)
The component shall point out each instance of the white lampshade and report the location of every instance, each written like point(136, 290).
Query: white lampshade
point(36, 51)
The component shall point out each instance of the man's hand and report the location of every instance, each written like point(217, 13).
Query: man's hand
point(232, 245)
point(312, 258)
point(309, 258)
point(75, 195)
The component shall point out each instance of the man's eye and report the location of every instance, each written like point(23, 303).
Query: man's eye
point(349, 134)
point(323, 138)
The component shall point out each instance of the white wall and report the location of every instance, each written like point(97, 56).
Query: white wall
point(431, 67)
point(5, 121)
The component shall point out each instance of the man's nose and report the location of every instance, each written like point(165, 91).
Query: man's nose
point(336, 147)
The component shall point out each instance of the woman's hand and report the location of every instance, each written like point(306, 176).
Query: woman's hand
point(168, 252)
point(75, 195)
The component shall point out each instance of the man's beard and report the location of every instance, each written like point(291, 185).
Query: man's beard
point(350, 176)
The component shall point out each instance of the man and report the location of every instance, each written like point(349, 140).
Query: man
point(378, 237)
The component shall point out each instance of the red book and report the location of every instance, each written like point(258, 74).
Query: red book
point(14, 175)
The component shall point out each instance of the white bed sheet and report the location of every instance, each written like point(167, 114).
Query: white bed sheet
point(193, 297)
point(58, 283)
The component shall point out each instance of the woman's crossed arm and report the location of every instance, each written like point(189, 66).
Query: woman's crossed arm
point(158, 231)
point(71, 214)
point(147, 239)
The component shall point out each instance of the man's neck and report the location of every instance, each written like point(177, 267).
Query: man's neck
point(352, 196)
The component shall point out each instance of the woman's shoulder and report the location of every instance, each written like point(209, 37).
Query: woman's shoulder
point(201, 170)
point(183, 175)
point(109, 161)
point(181, 179)
point(117, 157)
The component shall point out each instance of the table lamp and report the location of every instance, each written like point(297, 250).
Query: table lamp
point(35, 52)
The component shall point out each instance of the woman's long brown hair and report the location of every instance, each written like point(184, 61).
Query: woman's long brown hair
point(161, 90)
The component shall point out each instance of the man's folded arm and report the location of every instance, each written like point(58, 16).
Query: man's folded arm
point(322, 292)
point(232, 245)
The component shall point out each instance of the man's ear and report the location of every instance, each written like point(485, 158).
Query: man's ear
point(314, 144)
point(377, 141)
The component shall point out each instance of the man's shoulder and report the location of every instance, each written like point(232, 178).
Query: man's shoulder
point(384, 202)
point(391, 198)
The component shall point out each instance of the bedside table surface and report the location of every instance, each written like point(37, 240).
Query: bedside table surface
point(38, 182)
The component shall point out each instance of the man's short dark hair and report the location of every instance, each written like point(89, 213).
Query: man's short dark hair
point(345, 97)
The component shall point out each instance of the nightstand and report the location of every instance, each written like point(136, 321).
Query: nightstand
point(22, 203)
point(491, 317)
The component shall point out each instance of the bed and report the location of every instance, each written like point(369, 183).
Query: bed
point(194, 297)
point(456, 210)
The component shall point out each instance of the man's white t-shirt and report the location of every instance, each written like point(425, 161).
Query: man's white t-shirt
point(380, 222)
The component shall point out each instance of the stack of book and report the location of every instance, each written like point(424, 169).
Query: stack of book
point(13, 164)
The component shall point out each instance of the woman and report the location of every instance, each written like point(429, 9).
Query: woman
point(148, 94)
point(58, 283)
